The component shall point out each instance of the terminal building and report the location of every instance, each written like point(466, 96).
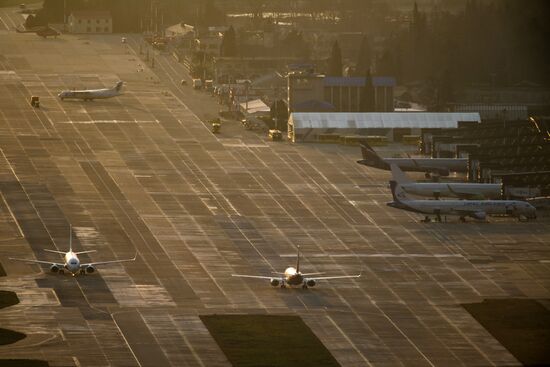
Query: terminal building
point(342, 94)
point(386, 126)
point(514, 153)
point(90, 22)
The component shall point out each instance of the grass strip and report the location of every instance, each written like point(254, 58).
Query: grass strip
point(521, 325)
point(267, 340)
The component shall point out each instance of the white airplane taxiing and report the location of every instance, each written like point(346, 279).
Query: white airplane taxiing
point(91, 94)
point(477, 209)
point(293, 277)
point(72, 263)
point(460, 190)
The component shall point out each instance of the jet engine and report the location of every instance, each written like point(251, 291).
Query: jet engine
point(311, 283)
point(274, 282)
point(90, 269)
point(479, 215)
point(54, 268)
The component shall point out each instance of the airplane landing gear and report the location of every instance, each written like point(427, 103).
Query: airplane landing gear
point(304, 286)
point(462, 219)
point(426, 219)
point(283, 285)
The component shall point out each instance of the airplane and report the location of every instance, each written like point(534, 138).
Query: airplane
point(477, 209)
point(293, 277)
point(47, 31)
point(436, 166)
point(42, 31)
point(72, 264)
point(91, 94)
point(460, 190)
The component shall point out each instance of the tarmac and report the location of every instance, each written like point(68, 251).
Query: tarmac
point(142, 173)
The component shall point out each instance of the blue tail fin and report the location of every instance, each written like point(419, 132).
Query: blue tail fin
point(118, 86)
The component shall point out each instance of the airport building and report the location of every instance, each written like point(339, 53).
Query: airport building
point(90, 22)
point(387, 126)
point(343, 94)
point(514, 153)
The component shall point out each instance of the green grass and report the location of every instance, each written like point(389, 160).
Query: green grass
point(267, 340)
point(7, 3)
point(8, 336)
point(521, 325)
point(23, 363)
point(8, 299)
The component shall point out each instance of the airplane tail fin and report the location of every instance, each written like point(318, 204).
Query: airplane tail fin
point(298, 260)
point(370, 157)
point(398, 175)
point(70, 238)
point(118, 86)
point(397, 192)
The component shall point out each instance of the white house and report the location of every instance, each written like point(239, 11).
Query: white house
point(90, 22)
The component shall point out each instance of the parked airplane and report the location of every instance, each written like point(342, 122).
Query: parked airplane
point(42, 31)
point(91, 94)
point(477, 209)
point(438, 166)
point(47, 32)
point(460, 190)
point(293, 277)
point(72, 263)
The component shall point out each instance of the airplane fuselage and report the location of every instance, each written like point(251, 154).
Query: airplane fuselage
point(89, 94)
point(460, 190)
point(475, 208)
point(293, 277)
point(441, 166)
point(72, 263)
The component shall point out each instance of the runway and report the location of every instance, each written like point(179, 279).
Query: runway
point(141, 173)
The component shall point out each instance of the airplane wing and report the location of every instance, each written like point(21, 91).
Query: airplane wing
point(107, 262)
point(335, 277)
point(38, 262)
point(255, 276)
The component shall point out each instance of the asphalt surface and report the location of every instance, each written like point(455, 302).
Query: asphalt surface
point(141, 173)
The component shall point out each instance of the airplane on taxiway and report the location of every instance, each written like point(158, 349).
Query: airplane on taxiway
point(461, 190)
point(72, 263)
point(435, 166)
point(477, 209)
point(293, 277)
point(91, 94)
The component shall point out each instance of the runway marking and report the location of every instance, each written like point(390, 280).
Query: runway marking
point(381, 255)
point(348, 340)
point(110, 122)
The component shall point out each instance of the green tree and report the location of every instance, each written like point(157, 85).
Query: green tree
point(335, 61)
point(228, 47)
point(364, 58)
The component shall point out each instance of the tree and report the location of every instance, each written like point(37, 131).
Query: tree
point(367, 96)
point(335, 61)
point(364, 58)
point(294, 45)
point(228, 47)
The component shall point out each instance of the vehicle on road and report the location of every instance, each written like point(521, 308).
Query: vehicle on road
point(197, 83)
